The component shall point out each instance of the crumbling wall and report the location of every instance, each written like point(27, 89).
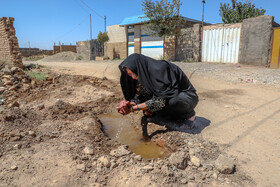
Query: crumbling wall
point(9, 48)
point(90, 49)
point(256, 40)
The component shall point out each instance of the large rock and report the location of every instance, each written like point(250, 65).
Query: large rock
point(195, 161)
point(88, 150)
point(6, 71)
point(2, 89)
point(105, 161)
point(179, 159)
point(120, 151)
point(224, 164)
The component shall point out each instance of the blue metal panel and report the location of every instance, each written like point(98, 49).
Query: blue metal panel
point(134, 20)
point(160, 46)
point(142, 18)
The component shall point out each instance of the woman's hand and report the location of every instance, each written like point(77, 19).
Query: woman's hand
point(123, 107)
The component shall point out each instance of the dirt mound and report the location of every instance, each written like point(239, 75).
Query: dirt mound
point(51, 138)
point(63, 57)
point(62, 110)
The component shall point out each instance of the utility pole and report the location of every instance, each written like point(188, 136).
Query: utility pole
point(203, 2)
point(29, 48)
point(105, 22)
point(201, 35)
point(90, 27)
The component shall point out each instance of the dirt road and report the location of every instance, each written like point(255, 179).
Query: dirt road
point(245, 116)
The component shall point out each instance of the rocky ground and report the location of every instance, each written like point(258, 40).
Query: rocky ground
point(234, 73)
point(50, 135)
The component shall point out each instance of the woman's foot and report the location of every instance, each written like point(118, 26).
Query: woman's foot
point(192, 118)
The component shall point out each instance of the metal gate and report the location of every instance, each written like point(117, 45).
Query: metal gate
point(150, 45)
point(221, 43)
point(130, 41)
point(275, 54)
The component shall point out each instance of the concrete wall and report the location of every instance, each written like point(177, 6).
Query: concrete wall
point(116, 50)
point(256, 41)
point(137, 39)
point(116, 47)
point(9, 48)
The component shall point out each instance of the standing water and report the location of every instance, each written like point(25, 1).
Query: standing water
point(119, 127)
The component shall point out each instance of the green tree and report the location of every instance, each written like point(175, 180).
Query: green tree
point(102, 37)
point(239, 11)
point(164, 16)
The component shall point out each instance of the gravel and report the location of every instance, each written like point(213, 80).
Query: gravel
point(235, 73)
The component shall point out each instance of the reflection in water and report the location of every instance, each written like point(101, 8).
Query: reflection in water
point(119, 127)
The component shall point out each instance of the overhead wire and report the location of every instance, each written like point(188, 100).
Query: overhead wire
point(92, 9)
point(82, 7)
point(73, 28)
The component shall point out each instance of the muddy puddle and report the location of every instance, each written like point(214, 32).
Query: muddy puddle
point(119, 128)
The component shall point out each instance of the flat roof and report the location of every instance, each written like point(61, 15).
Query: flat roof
point(133, 20)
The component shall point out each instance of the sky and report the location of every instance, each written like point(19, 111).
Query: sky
point(41, 23)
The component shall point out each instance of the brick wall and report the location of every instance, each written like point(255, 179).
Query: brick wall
point(64, 48)
point(9, 48)
point(26, 52)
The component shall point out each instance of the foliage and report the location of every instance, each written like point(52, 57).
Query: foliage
point(239, 11)
point(117, 58)
point(36, 75)
point(79, 58)
point(188, 60)
point(164, 16)
point(102, 37)
point(32, 58)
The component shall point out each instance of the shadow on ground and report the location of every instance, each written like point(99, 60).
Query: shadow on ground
point(182, 126)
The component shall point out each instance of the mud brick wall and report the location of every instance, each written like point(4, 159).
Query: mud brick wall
point(9, 48)
point(64, 48)
point(26, 52)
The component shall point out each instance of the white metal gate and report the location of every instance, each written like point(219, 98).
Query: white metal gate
point(150, 45)
point(221, 43)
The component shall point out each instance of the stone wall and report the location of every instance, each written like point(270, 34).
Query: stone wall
point(169, 48)
point(90, 49)
point(9, 48)
point(188, 45)
point(256, 41)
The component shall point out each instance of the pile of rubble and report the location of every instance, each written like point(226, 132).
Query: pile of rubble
point(14, 78)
